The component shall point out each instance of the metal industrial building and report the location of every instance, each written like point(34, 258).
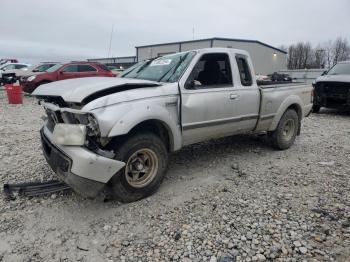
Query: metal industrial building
point(266, 59)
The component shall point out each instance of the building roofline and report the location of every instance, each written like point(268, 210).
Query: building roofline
point(215, 38)
point(115, 57)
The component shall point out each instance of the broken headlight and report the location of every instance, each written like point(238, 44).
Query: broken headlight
point(69, 134)
point(92, 126)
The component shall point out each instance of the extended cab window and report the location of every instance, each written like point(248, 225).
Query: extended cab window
point(71, 68)
point(244, 71)
point(86, 68)
point(211, 71)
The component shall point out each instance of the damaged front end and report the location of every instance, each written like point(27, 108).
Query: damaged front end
point(332, 94)
point(73, 147)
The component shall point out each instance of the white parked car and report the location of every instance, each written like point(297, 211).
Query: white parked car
point(10, 67)
point(11, 76)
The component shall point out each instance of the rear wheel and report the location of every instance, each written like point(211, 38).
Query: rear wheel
point(146, 159)
point(284, 135)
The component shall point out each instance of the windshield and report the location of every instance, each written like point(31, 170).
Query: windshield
point(43, 67)
point(54, 68)
point(133, 69)
point(340, 69)
point(167, 68)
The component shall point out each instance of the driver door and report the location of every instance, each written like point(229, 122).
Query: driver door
point(208, 99)
point(68, 72)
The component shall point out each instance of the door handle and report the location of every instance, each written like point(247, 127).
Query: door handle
point(233, 96)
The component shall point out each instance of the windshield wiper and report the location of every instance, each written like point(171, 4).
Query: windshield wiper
point(144, 66)
point(173, 68)
point(140, 69)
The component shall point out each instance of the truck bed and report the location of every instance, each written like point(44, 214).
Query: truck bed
point(281, 84)
point(276, 98)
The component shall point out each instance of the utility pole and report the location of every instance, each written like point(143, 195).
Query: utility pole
point(110, 42)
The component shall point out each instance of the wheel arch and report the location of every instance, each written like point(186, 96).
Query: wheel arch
point(292, 102)
point(167, 130)
point(157, 127)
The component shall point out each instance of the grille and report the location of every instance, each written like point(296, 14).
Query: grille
point(328, 88)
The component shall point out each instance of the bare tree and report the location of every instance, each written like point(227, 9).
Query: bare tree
point(328, 46)
point(319, 57)
point(303, 55)
point(299, 55)
point(341, 50)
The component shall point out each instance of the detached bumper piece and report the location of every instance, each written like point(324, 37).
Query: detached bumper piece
point(33, 189)
point(61, 164)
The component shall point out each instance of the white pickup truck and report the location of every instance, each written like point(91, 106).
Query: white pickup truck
point(117, 133)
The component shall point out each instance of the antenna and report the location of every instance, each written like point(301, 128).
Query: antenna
point(193, 33)
point(110, 41)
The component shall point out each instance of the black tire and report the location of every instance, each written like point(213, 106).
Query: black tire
point(316, 109)
point(282, 139)
point(120, 187)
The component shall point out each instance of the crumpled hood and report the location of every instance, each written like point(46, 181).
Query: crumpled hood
point(76, 90)
point(334, 78)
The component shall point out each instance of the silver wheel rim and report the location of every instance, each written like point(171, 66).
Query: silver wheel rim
point(141, 168)
point(288, 130)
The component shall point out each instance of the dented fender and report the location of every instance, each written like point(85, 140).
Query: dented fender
point(150, 111)
point(119, 118)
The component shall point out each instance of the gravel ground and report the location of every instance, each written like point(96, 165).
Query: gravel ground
point(223, 200)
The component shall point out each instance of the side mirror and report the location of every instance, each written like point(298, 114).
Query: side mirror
point(324, 73)
point(61, 72)
point(190, 84)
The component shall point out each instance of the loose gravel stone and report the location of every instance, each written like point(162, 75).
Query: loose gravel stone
point(291, 205)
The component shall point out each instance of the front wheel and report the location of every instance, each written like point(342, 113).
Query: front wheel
point(316, 108)
point(146, 159)
point(284, 135)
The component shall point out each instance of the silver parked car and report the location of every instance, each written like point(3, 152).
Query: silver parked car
point(11, 76)
point(10, 67)
point(117, 133)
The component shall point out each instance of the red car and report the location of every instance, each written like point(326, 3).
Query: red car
point(64, 71)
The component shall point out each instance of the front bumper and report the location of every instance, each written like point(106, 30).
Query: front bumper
point(84, 171)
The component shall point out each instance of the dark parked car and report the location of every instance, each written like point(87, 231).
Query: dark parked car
point(332, 89)
point(65, 71)
point(280, 77)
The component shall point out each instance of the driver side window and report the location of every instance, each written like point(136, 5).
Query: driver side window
point(71, 68)
point(211, 71)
